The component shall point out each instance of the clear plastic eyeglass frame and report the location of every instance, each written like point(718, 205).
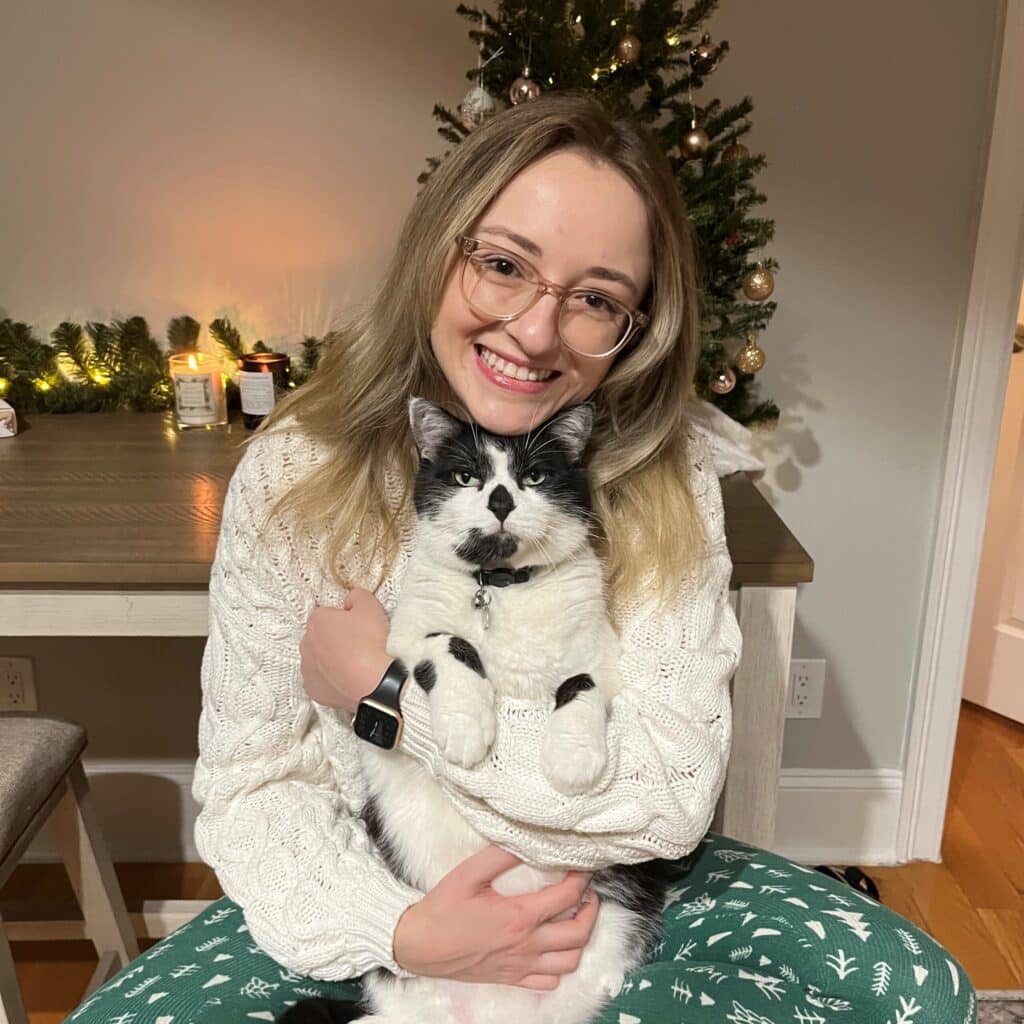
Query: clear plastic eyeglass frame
point(469, 245)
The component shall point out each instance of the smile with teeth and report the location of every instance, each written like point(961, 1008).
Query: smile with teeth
point(510, 369)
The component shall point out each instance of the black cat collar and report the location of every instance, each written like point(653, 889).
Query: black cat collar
point(503, 576)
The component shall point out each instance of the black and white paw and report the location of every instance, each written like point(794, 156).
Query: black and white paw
point(575, 748)
point(461, 701)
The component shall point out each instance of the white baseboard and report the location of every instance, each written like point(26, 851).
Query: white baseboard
point(825, 817)
point(839, 817)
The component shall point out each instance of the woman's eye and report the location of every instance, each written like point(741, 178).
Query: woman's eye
point(598, 302)
point(501, 266)
point(535, 477)
point(464, 479)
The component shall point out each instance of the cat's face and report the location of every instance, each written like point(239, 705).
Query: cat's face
point(486, 500)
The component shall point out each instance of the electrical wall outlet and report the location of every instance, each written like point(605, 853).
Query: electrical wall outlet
point(17, 685)
point(806, 688)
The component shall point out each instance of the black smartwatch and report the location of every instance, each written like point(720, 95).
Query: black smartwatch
point(379, 718)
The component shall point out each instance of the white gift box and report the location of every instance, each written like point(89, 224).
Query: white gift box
point(8, 421)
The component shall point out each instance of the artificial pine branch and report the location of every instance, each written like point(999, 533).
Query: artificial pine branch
point(226, 335)
point(182, 334)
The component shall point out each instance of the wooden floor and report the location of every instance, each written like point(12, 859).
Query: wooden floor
point(973, 903)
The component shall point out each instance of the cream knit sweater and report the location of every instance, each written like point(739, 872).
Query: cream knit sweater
point(278, 776)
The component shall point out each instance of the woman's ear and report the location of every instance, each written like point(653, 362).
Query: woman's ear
point(431, 426)
point(572, 427)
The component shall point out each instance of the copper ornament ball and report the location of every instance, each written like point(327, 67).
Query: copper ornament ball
point(722, 381)
point(704, 56)
point(750, 358)
point(628, 49)
point(523, 89)
point(758, 284)
point(694, 143)
point(735, 151)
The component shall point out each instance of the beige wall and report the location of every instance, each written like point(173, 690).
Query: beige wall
point(256, 159)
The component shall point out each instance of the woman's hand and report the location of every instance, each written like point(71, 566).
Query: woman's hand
point(344, 651)
point(465, 930)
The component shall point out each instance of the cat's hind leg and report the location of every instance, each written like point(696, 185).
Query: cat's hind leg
point(325, 1011)
point(449, 670)
point(575, 746)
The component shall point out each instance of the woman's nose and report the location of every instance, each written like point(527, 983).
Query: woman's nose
point(536, 330)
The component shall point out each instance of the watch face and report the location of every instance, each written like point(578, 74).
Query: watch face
point(376, 726)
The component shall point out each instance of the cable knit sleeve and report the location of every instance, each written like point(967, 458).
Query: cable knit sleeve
point(277, 817)
point(669, 731)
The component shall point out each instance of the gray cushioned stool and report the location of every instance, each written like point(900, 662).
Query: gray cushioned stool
point(42, 783)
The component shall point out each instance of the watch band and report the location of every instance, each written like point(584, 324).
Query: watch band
point(379, 717)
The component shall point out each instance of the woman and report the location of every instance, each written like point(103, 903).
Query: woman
point(316, 529)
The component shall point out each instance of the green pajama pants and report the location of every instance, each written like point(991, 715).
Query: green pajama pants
point(749, 938)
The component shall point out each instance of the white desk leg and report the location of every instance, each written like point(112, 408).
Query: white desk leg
point(759, 691)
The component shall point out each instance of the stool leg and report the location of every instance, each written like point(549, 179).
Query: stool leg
point(76, 833)
point(12, 1009)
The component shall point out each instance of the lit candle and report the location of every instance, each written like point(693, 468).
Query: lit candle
point(199, 399)
point(262, 381)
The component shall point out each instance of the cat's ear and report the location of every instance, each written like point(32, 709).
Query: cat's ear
point(431, 426)
point(572, 427)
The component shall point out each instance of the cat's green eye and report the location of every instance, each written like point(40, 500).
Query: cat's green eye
point(535, 477)
point(469, 481)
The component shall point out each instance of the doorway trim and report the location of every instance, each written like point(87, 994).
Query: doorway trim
point(981, 372)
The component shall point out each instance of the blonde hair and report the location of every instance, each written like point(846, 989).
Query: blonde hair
point(637, 459)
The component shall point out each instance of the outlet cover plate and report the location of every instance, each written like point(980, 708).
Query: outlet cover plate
point(17, 685)
point(806, 688)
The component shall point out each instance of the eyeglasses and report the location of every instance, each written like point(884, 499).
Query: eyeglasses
point(501, 285)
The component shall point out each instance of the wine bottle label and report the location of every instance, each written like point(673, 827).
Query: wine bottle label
point(257, 392)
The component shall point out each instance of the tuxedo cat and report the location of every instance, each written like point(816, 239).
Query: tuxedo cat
point(521, 503)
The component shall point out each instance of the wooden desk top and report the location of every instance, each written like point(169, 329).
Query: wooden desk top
point(124, 501)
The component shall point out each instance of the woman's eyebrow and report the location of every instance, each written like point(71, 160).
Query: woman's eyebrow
point(532, 247)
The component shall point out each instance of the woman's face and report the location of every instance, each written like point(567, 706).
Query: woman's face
point(570, 215)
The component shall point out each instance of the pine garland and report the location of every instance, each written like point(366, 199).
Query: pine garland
point(102, 367)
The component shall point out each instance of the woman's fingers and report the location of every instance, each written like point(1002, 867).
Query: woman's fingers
point(570, 934)
point(562, 961)
point(485, 865)
point(541, 982)
point(555, 899)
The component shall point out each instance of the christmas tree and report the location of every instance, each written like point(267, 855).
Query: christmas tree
point(646, 63)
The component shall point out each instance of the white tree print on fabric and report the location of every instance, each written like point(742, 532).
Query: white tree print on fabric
point(741, 1015)
point(258, 988)
point(854, 920)
point(909, 941)
point(908, 1009)
point(768, 986)
point(883, 975)
point(841, 963)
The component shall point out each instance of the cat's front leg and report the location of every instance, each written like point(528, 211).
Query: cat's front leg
point(450, 671)
point(575, 746)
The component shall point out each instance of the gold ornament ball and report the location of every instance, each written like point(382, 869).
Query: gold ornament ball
point(628, 49)
point(750, 358)
point(523, 89)
point(735, 151)
point(694, 143)
point(722, 381)
point(758, 284)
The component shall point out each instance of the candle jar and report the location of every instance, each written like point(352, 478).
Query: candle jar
point(199, 398)
point(262, 380)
